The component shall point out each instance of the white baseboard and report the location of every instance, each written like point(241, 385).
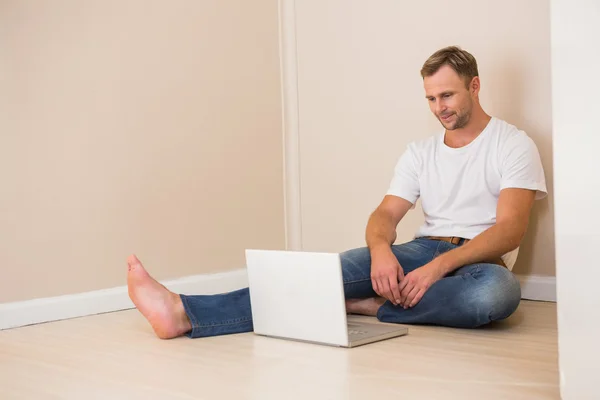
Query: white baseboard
point(534, 287)
point(13, 315)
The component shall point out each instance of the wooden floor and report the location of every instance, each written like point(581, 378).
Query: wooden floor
point(116, 356)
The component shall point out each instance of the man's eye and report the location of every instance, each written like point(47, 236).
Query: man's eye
point(446, 96)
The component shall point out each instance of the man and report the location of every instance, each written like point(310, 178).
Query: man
point(477, 181)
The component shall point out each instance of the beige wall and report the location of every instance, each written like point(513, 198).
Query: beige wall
point(361, 100)
point(139, 126)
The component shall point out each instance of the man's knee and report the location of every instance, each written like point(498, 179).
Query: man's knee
point(356, 258)
point(496, 296)
point(356, 272)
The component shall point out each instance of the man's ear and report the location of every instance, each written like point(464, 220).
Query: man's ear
point(475, 86)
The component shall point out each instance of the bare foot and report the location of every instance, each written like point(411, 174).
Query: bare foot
point(162, 308)
point(368, 306)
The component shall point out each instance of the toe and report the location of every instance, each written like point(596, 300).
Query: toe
point(133, 261)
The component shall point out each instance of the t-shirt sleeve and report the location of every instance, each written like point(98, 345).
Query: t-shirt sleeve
point(521, 166)
point(405, 182)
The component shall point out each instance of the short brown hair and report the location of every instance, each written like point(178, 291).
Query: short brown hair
point(458, 59)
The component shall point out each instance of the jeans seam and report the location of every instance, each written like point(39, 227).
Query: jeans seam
point(357, 280)
point(186, 307)
point(229, 322)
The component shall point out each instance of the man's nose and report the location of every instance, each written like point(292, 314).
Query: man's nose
point(440, 108)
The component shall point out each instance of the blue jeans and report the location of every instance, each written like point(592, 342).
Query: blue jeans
point(471, 296)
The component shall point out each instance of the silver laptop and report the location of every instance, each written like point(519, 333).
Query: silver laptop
point(300, 296)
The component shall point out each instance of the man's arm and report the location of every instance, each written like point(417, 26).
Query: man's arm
point(512, 218)
point(380, 235)
point(381, 228)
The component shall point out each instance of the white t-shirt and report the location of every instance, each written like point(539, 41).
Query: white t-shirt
point(459, 187)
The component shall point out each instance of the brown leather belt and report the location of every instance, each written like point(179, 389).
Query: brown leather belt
point(458, 241)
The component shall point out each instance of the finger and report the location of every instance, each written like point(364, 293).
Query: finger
point(394, 290)
point(375, 286)
point(417, 298)
point(384, 282)
point(400, 274)
point(406, 288)
point(403, 283)
point(410, 297)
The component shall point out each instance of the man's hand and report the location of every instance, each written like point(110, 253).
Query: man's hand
point(380, 235)
point(386, 272)
point(416, 283)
